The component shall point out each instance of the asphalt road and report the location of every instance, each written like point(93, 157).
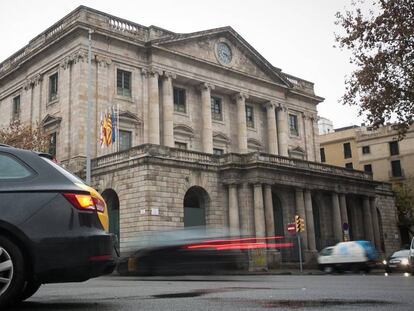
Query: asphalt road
point(253, 292)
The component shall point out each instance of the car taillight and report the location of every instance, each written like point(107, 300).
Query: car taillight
point(81, 201)
point(100, 205)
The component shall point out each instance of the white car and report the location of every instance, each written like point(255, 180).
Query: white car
point(354, 256)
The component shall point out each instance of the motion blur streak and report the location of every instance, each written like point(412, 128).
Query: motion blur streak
point(242, 243)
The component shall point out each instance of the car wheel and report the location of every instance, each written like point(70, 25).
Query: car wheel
point(12, 274)
point(30, 288)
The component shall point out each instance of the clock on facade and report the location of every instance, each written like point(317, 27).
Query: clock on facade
point(224, 53)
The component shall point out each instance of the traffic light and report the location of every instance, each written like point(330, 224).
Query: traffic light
point(299, 223)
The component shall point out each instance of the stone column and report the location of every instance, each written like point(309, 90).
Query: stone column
point(154, 108)
point(259, 217)
point(282, 131)
point(310, 141)
point(310, 225)
point(246, 214)
point(145, 104)
point(241, 121)
point(343, 207)
point(207, 132)
point(234, 222)
point(375, 224)
point(168, 109)
point(269, 217)
point(300, 210)
point(271, 128)
point(337, 222)
point(366, 207)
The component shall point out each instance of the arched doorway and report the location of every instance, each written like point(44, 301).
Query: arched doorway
point(196, 202)
point(317, 224)
point(112, 202)
point(277, 215)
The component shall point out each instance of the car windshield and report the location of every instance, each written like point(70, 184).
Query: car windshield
point(63, 171)
point(327, 251)
point(402, 253)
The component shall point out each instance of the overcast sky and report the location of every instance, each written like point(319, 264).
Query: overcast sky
point(294, 35)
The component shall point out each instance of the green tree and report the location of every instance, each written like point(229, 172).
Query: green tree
point(381, 43)
point(25, 136)
point(404, 201)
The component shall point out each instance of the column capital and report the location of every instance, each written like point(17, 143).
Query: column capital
point(103, 61)
point(271, 105)
point(240, 97)
point(281, 106)
point(32, 81)
point(169, 75)
point(204, 86)
point(144, 72)
point(152, 71)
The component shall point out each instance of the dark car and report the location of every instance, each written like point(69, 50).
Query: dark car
point(192, 250)
point(398, 261)
point(52, 226)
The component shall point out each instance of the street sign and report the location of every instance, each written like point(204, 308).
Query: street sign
point(291, 228)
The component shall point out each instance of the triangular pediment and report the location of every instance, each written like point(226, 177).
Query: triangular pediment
point(205, 45)
point(50, 120)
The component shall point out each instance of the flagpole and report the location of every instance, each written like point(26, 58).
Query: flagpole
point(89, 113)
point(117, 127)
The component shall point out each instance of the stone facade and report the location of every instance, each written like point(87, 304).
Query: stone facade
point(249, 164)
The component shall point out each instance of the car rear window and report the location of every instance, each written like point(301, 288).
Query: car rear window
point(11, 168)
point(73, 178)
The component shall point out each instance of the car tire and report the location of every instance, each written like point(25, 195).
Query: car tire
point(12, 270)
point(30, 288)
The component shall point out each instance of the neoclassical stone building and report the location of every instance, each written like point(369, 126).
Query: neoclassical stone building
point(210, 132)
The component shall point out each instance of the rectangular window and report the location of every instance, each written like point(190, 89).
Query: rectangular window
point(179, 100)
point(249, 116)
point(217, 151)
point(349, 165)
point(123, 82)
point(52, 144)
point(53, 87)
point(293, 124)
point(180, 145)
point(368, 168)
point(366, 150)
point(216, 111)
point(394, 150)
point(16, 107)
point(125, 140)
point(323, 158)
point(347, 151)
point(396, 168)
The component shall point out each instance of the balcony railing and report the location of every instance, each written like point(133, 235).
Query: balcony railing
point(220, 161)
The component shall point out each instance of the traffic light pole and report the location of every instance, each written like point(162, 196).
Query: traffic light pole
point(300, 252)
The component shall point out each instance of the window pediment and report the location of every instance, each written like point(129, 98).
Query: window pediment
point(254, 144)
point(183, 130)
point(49, 121)
point(222, 138)
point(297, 152)
point(129, 117)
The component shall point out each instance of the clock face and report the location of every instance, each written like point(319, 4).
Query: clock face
point(224, 53)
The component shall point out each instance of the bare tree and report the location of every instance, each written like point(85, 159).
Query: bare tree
point(25, 136)
point(382, 47)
